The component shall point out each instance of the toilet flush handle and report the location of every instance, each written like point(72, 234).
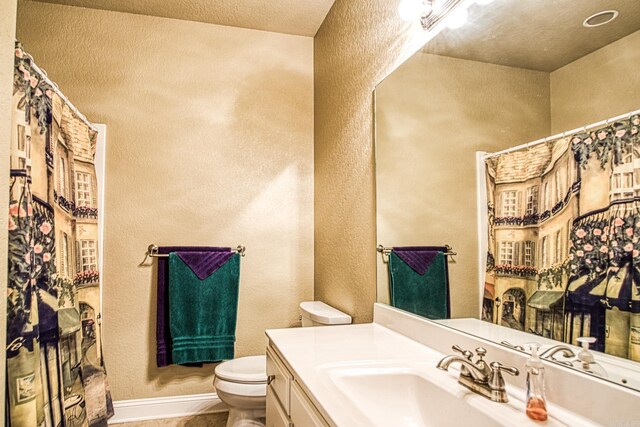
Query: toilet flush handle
point(270, 379)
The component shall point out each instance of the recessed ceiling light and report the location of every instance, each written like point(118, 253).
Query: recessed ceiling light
point(600, 18)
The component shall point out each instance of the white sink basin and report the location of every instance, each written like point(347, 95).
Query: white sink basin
point(416, 400)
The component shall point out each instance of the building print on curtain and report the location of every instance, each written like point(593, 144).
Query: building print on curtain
point(55, 372)
point(563, 238)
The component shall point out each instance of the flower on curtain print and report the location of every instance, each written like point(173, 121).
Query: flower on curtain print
point(86, 277)
point(44, 247)
point(85, 212)
point(600, 242)
point(551, 277)
point(65, 289)
point(622, 234)
point(516, 270)
point(609, 143)
point(36, 92)
point(588, 251)
point(19, 265)
point(45, 228)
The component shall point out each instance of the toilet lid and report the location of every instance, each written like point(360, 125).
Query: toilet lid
point(249, 369)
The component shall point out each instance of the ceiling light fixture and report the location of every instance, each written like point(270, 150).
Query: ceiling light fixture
point(414, 9)
point(432, 12)
point(600, 18)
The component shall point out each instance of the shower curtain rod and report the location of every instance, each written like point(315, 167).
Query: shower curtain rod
point(57, 90)
point(562, 134)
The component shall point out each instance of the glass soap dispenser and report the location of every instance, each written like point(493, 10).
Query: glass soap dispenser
point(536, 401)
point(586, 360)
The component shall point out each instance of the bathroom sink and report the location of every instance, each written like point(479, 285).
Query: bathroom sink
point(387, 395)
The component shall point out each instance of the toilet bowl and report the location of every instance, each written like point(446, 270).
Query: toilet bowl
point(242, 383)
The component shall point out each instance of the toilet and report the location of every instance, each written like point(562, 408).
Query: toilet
point(242, 383)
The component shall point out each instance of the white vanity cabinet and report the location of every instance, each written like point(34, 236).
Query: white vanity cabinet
point(287, 403)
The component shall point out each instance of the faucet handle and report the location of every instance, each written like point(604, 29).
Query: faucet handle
point(496, 382)
point(497, 367)
point(481, 352)
point(465, 353)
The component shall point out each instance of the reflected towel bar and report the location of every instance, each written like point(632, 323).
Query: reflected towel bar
point(386, 251)
point(152, 251)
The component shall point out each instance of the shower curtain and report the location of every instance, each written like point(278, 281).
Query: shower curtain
point(563, 238)
point(55, 371)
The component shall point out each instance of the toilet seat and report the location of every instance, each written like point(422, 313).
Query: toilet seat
point(243, 370)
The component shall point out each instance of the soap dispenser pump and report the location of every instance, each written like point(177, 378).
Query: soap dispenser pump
point(536, 401)
point(587, 361)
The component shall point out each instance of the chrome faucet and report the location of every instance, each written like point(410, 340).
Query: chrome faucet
point(566, 351)
point(479, 377)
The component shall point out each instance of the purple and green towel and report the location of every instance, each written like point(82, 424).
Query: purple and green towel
point(196, 305)
point(419, 280)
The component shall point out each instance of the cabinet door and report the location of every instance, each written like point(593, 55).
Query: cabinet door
point(303, 412)
point(279, 379)
point(276, 416)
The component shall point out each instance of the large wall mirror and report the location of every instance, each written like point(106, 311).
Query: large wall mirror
point(515, 140)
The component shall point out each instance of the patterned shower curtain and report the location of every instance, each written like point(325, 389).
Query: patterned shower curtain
point(55, 370)
point(563, 238)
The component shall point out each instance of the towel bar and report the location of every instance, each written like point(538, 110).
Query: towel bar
point(386, 251)
point(152, 251)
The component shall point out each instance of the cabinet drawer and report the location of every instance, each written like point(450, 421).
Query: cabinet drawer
point(279, 379)
point(276, 417)
point(303, 412)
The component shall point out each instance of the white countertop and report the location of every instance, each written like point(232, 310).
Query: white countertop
point(307, 351)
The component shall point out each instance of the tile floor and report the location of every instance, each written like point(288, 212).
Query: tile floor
point(209, 420)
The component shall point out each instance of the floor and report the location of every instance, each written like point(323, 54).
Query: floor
point(209, 420)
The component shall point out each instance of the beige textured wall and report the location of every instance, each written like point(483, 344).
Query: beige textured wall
point(432, 114)
point(7, 36)
point(210, 141)
point(603, 84)
point(358, 44)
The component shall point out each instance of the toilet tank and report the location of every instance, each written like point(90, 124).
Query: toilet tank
point(317, 313)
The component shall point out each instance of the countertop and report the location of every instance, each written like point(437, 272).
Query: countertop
point(306, 351)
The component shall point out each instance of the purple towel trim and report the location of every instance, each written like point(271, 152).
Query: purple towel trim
point(163, 333)
point(419, 258)
point(204, 264)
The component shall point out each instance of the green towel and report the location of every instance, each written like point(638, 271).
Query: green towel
point(425, 295)
point(203, 313)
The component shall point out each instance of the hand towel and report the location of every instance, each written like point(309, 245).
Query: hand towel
point(419, 281)
point(163, 333)
point(202, 312)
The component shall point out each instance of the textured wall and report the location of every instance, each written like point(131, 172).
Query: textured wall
point(283, 16)
point(432, 114)
point(7, 37)
point(603, 84)
point(210, 141)
point(358, 44)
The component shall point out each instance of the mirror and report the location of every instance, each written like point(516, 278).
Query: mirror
point(522, 73)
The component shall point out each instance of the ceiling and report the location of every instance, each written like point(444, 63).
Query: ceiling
point(541, 35)
point(299, 17)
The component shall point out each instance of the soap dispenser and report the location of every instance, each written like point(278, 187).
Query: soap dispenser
point(586, 360)
point(536, 402)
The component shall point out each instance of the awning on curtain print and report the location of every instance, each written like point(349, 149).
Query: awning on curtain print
point(546, 300)
point(617, 287)
point(68, 321)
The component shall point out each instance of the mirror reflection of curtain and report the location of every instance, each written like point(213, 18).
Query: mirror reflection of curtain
point(564, 229)
point(55, 371)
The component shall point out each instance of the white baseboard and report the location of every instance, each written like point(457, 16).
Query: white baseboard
point(166, 407)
